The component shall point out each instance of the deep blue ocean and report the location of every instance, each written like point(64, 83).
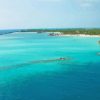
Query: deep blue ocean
point(76, 78)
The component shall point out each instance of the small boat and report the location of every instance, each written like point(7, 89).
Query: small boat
point(62, 58)
point(51, 34)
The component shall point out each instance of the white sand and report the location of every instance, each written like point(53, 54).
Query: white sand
point(81, 35)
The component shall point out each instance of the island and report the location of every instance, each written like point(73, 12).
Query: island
point(67, 32)
point(93, 32)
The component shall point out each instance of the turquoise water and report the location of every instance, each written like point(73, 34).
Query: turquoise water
point(75, 79)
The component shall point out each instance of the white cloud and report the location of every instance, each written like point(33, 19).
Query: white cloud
point(87, 3)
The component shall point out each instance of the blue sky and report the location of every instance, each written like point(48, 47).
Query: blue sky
point(49, 13)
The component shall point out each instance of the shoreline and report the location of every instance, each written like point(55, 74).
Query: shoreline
point(79, 35)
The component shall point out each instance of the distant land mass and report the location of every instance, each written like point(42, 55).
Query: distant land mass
point(89, 31)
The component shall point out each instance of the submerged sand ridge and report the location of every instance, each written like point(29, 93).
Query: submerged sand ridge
point(34, 62)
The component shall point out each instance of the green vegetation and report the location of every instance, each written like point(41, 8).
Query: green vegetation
point(66, 31)
point(83, 31)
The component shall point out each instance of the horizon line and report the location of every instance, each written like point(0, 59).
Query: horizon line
point(48, 28)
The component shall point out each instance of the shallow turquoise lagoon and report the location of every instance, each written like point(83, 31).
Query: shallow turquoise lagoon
point(77, 78)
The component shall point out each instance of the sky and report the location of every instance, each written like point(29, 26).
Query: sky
point(49, 14)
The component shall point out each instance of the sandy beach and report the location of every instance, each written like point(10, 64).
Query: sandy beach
point(80, 35)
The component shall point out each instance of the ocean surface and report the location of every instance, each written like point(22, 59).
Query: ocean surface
point(76, 78)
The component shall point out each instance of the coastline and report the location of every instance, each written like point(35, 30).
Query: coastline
point(68, 35)
point(80, 35)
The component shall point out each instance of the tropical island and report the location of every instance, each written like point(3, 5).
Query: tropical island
point(66, 32)
point(60, 32)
